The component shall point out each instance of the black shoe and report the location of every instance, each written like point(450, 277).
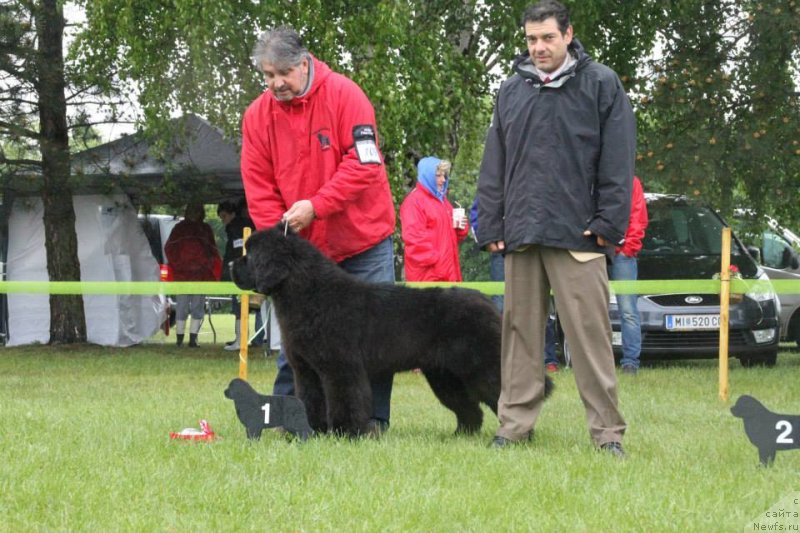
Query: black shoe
point(629, 369)
point(178, 339)
point(614, 448)
point(500, 442)
point(377, 427)
point(192, 340)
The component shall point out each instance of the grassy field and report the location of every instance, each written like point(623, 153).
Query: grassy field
point(85, 447)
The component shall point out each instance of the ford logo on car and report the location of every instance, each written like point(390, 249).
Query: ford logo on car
point(694, 300)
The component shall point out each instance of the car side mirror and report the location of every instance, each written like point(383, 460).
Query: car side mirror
point(755, 253)
point(790, 258)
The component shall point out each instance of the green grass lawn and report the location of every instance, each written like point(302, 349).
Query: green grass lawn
point(84, 446)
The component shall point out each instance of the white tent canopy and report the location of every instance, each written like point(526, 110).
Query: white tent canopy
point(111, 247)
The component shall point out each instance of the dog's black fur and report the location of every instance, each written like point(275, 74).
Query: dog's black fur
point(339, 332)
point(763, 429)
point(284, 411)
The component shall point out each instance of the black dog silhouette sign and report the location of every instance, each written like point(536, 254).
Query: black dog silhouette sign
point(768, 431)
point(257, 411)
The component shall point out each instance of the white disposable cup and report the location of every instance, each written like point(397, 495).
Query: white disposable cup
point(459, 215)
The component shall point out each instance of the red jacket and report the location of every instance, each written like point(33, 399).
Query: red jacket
point(305, 149)
point(192, 252)
point(637, 223)
point(431, 242)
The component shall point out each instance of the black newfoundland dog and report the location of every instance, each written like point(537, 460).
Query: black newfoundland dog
point(338, 332)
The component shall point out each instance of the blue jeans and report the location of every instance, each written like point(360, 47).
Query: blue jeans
point(375, 265)
point(625, 268)
point(550, 341)
point(497, 273)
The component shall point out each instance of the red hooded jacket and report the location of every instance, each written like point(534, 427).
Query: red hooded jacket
point(305, 149)
point(637, 223)
point(431, 242)
point(192, 252)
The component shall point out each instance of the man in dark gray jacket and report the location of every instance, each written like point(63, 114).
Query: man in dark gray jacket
point(554, 196)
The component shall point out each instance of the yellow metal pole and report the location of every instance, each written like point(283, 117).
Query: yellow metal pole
point(724, 313)
point(244, 320)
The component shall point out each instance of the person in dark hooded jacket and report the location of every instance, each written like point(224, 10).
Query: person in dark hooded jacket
point(430, 232)
point(554, 196)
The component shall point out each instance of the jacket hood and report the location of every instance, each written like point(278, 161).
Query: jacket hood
point(318, 71)
point(426, 177)
point(524, 66)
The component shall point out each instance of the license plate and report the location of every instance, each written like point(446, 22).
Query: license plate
point(692, 322)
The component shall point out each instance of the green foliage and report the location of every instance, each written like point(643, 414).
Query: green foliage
point(718, 109)
point(714, 82)
point(429, 67)
point(85, 438)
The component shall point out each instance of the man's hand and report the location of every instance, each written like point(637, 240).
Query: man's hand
point(600, 240)
point(496, 247)
point(300, 215)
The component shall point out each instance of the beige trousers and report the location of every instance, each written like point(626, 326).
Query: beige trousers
point(581, 295)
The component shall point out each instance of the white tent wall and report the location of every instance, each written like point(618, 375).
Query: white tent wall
point(111, 247)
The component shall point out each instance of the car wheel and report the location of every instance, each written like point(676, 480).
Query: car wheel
point(765, 359)
point(793, 332)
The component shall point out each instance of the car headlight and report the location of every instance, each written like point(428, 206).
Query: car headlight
point(762, 291)
point(762, 336)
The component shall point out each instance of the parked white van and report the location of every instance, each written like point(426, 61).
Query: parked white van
point(776, 248)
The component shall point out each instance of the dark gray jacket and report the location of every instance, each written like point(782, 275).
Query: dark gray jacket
point(559, 159)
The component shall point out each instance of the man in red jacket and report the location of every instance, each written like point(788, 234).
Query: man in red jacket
point(625, 267)
point(310, 158)
point(430, 231)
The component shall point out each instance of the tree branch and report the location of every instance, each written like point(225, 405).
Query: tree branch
point(19, 100)
point(28, 162)
point(19, 130)
point(97, 123)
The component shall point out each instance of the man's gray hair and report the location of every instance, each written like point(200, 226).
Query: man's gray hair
point(281, 47)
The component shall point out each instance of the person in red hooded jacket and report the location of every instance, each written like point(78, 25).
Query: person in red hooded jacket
point(430, 232)
point(625, 268)
point(192, 253)
point(310, 159)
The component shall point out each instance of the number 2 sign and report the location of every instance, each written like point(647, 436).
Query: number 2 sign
point(767, 431)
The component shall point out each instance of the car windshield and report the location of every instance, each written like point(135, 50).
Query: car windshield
point(680, 228)
point(684, 241)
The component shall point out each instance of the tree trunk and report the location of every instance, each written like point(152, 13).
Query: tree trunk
point(67, 322)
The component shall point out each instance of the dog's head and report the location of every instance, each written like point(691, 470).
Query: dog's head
point(267, 263)
point(238, 388)
point(746, 406)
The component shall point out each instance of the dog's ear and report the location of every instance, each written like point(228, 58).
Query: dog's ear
point(271, 273)
point(270, 258)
